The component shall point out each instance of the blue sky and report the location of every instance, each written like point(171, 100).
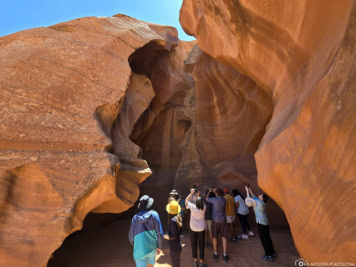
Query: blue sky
point(18, 15)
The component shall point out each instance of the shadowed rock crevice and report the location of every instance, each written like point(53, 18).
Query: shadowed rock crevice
point(160, 129)
point(144, 58)
point(117, 192)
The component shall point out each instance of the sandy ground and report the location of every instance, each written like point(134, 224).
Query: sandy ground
point(109, 247)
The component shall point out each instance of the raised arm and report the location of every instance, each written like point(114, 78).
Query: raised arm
point(252, 194)
point(248, 190)
point(189, 197)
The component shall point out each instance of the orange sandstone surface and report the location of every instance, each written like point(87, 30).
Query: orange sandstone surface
point(68, 103)
point(96, 111)
point(302, 55)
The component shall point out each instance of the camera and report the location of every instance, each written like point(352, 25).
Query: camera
point(195, 188)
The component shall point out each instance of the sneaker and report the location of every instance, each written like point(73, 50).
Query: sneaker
point(203, 265)
point(238, 237)
point(226, 258)
point(215, 257)
point(250, 233)
point(244, 236)
point(268, 258)
point(195, 264)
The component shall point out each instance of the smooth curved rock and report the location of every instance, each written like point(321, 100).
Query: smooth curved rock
point(161, 129)
point(62, 88)
point(229, 117)
point(228, 114)
point(298, 52)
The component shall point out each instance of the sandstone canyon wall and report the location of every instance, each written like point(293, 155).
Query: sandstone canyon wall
point(161, 128)
point(267, 88)
point(65, 126)
point(302, 54)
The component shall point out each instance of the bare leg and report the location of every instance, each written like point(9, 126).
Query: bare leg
point(215, 245)
point(224, 241)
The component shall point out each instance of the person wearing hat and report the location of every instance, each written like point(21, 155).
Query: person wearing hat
point(146, 233)
point(173, 194)
point(174, 230)
point(259, 207)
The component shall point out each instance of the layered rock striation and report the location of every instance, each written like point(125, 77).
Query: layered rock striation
point(229, 114)
point(91, 107)
point(162, 127)
point(69, 101)
point(302, 54)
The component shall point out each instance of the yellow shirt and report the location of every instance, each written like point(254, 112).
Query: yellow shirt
point(230, 205)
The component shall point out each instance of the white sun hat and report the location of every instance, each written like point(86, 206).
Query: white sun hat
point(250, 202)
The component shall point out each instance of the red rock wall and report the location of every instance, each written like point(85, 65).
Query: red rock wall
point(84, 103)
point(229, 117)
point(300, 54)
point(228, 114)
point(161, 128)
point(61, 90)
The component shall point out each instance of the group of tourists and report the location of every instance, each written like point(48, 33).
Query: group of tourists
point(212, 216)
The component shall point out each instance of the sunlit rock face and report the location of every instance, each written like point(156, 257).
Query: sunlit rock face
point(65, 126)
point(229, 114)
point(302, 54)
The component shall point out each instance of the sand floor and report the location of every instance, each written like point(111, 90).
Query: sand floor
point(109, 247)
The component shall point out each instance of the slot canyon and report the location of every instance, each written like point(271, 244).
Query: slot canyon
point(98, 111)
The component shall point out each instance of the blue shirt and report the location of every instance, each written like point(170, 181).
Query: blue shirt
point(145, 233)
point(260, 211)
point(219, 204)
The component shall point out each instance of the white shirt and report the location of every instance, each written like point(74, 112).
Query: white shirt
point(197, 217)
point(242, 208)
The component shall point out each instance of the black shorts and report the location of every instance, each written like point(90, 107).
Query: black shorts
point(219, 229)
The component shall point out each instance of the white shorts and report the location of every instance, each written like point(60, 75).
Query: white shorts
point(230, 219)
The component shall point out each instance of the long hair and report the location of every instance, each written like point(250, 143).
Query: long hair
point(236, 193)
point(199, 203)
point(179, 219)
point(265, 197)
